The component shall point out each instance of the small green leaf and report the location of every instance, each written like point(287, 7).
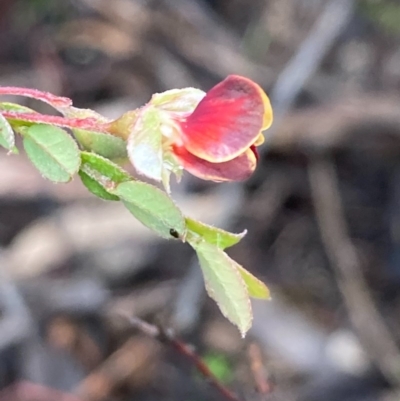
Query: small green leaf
point(145, 145)
point(151, 206)
point(255, 287)
point(53, 152)
point(7, 137)
point(17, 125)
point(95, 187)
point(101, 143)
point(99, 174)
point(219, 366)
point(6, 106)
point(74, 112)
point(224, 284)
point(104, 167)
point(221, 238)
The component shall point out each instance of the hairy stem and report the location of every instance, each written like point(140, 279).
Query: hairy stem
point(73, 123)
point(49, 98)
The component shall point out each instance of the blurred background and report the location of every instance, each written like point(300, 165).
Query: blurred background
point(322, 210)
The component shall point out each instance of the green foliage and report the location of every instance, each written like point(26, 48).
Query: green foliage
point(6, 106)
point(386, 13)
point(7, 138)
point(53, 152)
point(106, 168)
point(105, 145)
point(221, 238)
point(99, 175)
point(255, 287)
point(152, 207)
point(224, 284)
point(140, 135)
point(219, 366)
point(93, 185)
point(16, 124)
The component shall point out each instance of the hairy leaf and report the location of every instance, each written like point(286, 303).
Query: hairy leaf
point(153, 207)
point(255, 287)
point(6, 106)
point(224, 284)
point(7, 137)
point(99, 175)
point(53, 152)
point(101, 143)
point(221, 238)
point(105, 167)
point(95, 187)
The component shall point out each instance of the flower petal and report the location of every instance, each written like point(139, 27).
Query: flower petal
point(227, 120)
point(238, 169)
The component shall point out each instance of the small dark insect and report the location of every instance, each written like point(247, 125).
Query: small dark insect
point(174, 233)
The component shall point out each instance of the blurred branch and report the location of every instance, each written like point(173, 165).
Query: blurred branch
point(306, 61)
point(166, 337)
point(327, 127)
point(133, 363)
point(346, 263)
point(263, 384)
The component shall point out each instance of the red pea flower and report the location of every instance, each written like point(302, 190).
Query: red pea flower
point(217, 141)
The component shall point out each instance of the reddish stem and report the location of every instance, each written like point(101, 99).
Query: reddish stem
point(184, 349)
point(73, 123)
point(49, 98)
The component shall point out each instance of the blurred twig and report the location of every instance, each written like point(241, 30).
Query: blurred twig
point(321, 129)
point(133, 362)
point(166, 337)
point(25, 390)
point(343, 256)
point(258, 370)
point(308, 58)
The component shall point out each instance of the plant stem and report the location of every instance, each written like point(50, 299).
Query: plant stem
point(168, 338)
point(49, 98)
point(73, 123)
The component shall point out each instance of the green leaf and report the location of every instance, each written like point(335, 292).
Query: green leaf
point(99, 175)
point(101, 143)
point(224, 284)
point(17, 125)
point(74, 112)
point(255, 287)
point(145, 145)
point(95, 187)
point(104, 167)
point(152, 207)
point(53, 152)
point(221, 238)
point(219, 365)
point(7, 137)
point(6, 106)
